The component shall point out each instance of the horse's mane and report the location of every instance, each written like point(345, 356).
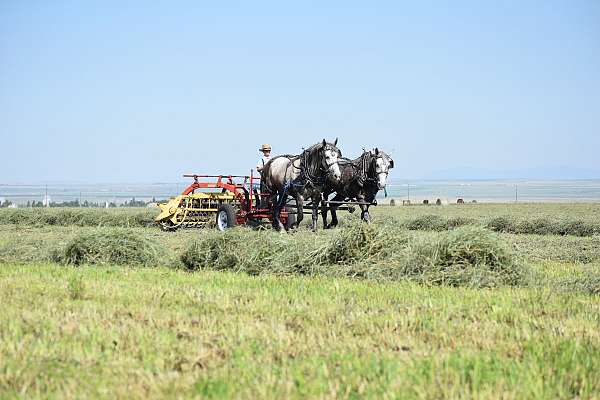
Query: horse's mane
point(310, 160)
point(363, 164)
point(311, 166)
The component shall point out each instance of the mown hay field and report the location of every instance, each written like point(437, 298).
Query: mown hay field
point(389, 310)
point(578, 219)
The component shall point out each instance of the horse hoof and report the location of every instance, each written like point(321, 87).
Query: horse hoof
point(292, 228)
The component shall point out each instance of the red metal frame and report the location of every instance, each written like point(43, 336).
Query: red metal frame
point(240, 189)
point(229, 184)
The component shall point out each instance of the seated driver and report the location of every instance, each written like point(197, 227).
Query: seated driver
point(266, 150)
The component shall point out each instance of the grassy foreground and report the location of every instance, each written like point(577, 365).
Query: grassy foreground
point(150, 332)
point(281, 319)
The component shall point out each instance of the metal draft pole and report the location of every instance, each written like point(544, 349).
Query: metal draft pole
point(408, 189)
point(516, 194)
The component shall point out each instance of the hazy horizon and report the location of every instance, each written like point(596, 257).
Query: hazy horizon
point(138, 92)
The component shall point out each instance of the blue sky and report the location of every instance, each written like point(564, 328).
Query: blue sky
point(139, 92)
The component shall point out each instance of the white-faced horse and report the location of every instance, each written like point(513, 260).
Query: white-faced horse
point(361, 179)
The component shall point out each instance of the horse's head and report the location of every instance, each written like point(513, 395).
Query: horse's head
point(382, 163)
point(330, 156)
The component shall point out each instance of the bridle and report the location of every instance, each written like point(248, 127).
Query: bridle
point(368, 172)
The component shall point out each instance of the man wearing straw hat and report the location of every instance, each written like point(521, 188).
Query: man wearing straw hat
point(266, 150)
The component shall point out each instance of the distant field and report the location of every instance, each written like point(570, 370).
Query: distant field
point(589, 212)
point(383, 311)
point(578, 219)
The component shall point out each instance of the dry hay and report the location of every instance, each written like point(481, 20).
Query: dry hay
point(468, 256)
point(113, 217)
point(587, 282)
point(111, 246)
point(506, 224)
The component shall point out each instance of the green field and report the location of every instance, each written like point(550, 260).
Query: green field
point(379, 312)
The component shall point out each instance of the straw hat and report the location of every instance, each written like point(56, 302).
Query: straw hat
point(265, 147)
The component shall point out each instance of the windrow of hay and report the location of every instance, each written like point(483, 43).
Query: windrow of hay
point(358, 242)
point(468, 256)
point(112, 246)
point(17, 250)
point(254, 252)
point(434, 222)
point(111, 217)
point(144, 217)
point(588, 283)
point(505, 224)
point(543, 226)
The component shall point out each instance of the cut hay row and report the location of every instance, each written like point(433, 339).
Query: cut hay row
point(587, 282)
point(469, 256)
point(506, 224)
point(144, 217)
point(120, 247)
point(113, 217)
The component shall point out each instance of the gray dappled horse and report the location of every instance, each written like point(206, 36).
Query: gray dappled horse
point(361, 179)
point(301, 176)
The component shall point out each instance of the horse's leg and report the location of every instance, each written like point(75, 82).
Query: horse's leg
point(316, 200)
point(275, 209)
point(280, 204)
point(367, 216)
point(324, 210)
point(334, 207)
point(299, 209)
point(364, 215)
